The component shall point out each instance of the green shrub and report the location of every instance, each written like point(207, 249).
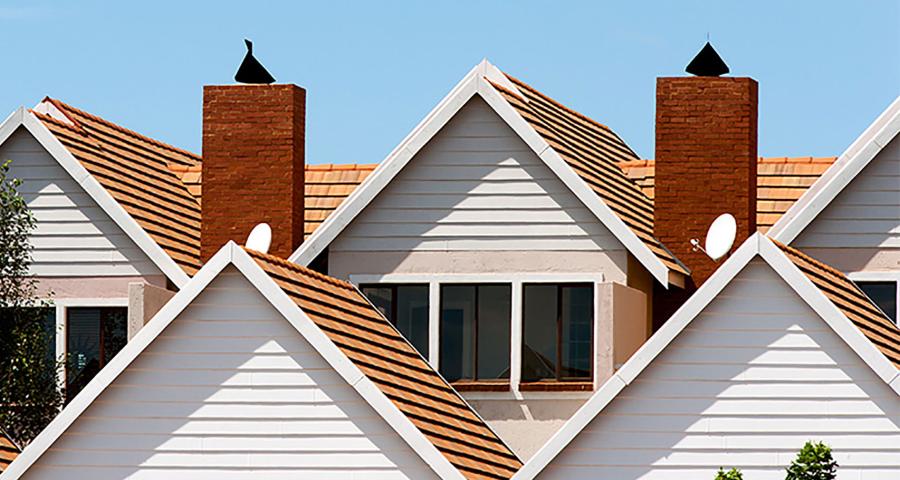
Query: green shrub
point(733, 474)
point(814, 462)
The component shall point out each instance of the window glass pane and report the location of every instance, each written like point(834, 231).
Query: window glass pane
point(49, 317)
point(577, 324)
point(539, 316)
point(115, 332)
point(494, 302)
point(884, 294)
point(457, 332)
point(412, 315)
point(83, 339)
point(382, 298)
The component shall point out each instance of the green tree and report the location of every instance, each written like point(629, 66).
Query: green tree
point(814, 462)
point(30, 394)
point(733, 474)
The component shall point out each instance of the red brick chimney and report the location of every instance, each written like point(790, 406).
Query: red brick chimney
point(705, 162)
point(253, 164)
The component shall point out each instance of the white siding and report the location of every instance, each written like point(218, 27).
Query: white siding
point(230, 391)
point(74, 236)
point(475, 186)
point(756, 375)
point(866, 214)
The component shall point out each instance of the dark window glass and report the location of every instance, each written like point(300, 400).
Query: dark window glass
point(475, 322)
point(405, 306)
point(558, 332)
point(883, 294)
point(93, 337)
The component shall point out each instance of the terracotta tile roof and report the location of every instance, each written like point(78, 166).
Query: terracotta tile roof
point(382, 354)
point(136, 171)
point(8, 451)
point(780, 182)
point(593, 151)
point(847, 297)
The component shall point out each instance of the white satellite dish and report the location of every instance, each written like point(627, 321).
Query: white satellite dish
point(720, 236)
point(260, 238)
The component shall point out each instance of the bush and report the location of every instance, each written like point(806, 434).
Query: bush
point(733, 474)
point(814, 462)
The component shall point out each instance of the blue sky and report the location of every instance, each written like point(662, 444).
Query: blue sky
point(374, 69)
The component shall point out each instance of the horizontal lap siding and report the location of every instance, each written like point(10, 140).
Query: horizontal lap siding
point(745, 385)
point(73, 236)
point(475, 186)
point(866, 214)
point(230, 390)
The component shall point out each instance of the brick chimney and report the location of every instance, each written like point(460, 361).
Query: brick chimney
point(253, 164)
point(705, 162)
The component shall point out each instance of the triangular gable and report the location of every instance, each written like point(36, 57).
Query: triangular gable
point(822, 301)
point(845, 169)
point(487, 81)
point(159, 257)
point(269, 278)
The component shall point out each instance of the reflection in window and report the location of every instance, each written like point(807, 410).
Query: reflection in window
point(405, 306)
point(93, 336)
point(883, 294)
point(558, 332)
point(475, 323)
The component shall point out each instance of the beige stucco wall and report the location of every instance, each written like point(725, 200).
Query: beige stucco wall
point(93, 287)
point(144, 300)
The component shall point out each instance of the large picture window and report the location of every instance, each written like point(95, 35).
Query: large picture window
point(558, 322)
point(474, 326)
point(93, 337)
point(405, 306)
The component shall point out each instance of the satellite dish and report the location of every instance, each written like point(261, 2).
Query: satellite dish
point(260, 238)
point(720, 236)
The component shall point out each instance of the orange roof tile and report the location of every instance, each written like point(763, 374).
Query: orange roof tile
point(8, 451)
point(136, 171)
point(395, 367)
point(593, 151)
point(848, 298)
point(780, 182)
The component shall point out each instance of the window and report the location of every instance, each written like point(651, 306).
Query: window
point(93, 337)
point(475, 323)
point(558, 322)
point(406, 306)
point(883, 294)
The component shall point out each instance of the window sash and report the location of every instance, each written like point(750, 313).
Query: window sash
point(560, 345)
point(473, 371)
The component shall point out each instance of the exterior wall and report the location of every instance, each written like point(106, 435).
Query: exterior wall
point(74, 237)
point(756, 375)
point(229, 390)
point(144, 301)
point(860, 229)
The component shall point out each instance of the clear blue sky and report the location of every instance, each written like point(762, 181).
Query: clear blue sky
point(374, 69)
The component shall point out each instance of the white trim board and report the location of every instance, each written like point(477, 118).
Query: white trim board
point(845, 169)
point(474, 83)
point(232, 254)
point(23, 118)
point(757, 245)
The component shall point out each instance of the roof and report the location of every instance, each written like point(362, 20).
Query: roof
point(135, 170)
point(835, 299)
point(780, 182)
point(355, 340)
point(381, 352)
point(8, 451)
point(847, 166)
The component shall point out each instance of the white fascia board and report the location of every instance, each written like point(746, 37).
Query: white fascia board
point(641, 359)
point(118, 364)
point(387, 169)
point(96, 191)
point(838, 176)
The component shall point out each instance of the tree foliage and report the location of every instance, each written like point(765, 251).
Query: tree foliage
point(814, 462)
point(733, 474)
point(30, 394)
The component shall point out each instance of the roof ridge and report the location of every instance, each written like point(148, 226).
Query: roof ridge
point(62, 105)
point(77, 128)
point(520, 83)
point(299, 269)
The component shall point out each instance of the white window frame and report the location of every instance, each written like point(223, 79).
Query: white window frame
point(888, 276)
point(516, 280)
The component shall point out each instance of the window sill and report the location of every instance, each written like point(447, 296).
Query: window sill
point(481, 385)
point(554, 386)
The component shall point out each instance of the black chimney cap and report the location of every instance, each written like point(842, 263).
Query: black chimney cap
point(251, 71)
point(707, 63)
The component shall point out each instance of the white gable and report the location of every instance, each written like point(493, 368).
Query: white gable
point(229, 390)
point(74, 236)
point(475, 186)
point(755, 375)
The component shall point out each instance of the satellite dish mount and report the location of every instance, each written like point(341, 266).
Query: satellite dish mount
point(719, 238)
